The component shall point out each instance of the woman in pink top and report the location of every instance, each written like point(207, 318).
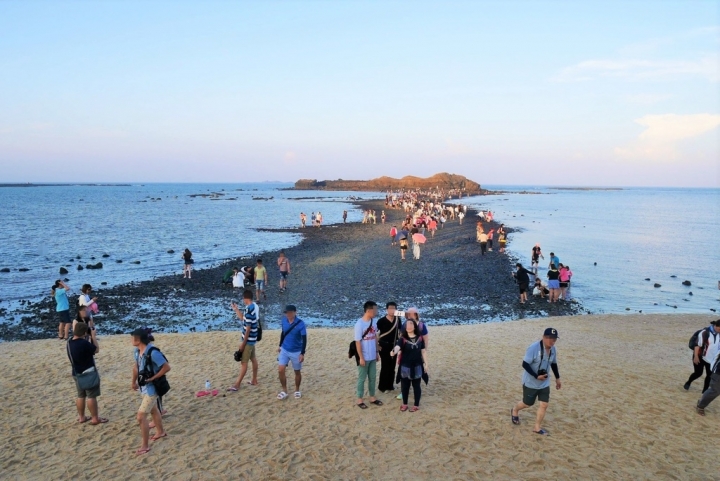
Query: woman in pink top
point(565, 276)
point(432, 226)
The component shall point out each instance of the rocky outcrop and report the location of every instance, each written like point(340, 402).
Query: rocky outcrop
point(445, 182)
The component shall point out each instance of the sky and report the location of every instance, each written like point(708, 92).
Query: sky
point(591, 93)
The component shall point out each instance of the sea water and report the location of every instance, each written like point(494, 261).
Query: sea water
point(48, 227)
point(631, 234)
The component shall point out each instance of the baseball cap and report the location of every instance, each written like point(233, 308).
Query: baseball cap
point(550, 332)
point(289, 308)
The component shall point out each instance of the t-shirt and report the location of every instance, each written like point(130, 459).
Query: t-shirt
point(293, 340)
point(522, 276)
point(553, 275)
point(82, 353)
point(411, 351)
point(61, 298)
point(565, 275)
point(369, 349)
point(251, 315)
point(260, 273)
point(386, 325)
point(157, 360)
point(532, 357)
point(555, 260)
point(237, 279)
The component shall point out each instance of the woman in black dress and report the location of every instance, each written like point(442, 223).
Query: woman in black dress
point(389, 327)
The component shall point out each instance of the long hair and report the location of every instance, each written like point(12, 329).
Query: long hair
point(78, 317)
point(415, 332)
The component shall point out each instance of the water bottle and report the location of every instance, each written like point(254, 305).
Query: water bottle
point(207, 386)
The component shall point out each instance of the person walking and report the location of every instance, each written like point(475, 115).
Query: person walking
point(366, 343)
point(261, 280)
point(403, 243)
point(59, 292)
point(412, 363)
point(416, 250)
point(188, 262)
point(284, 265)
point(344, 216)
point(483, 238)
point(540, 358)
point(536, 255)
point(153, 365)
point(293, 342)
point(706, 349)
point(522, 276)
point(712, 357)
point(393, 235)
point(490, 235)
point(303, 219)
point(81, 353)
point(250, 317)
point(389, 329)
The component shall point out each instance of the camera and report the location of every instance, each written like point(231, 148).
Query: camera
point(141, 380)
point(400, 313)
point(542, 372)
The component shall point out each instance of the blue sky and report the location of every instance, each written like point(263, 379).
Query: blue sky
point(562, 93)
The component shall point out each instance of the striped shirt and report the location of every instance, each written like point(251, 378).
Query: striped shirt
point(251, 314)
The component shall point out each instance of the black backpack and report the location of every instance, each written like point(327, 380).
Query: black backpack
point(693, 343)
point(162, 386)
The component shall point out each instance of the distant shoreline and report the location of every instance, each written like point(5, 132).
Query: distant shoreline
point(65, 185)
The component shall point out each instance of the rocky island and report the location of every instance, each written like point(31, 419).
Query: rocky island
point(444, 181)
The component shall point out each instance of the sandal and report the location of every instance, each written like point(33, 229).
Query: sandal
point(377, 402)
point(403, 408)
point(515, 419)
point(87, 418)
point(100, 421)
point(414, 409)
point(298, 394)
point(362, 406)
point(542, 432)
point(232, 389)
point(142, 451)
point(282, 395)
point(700, 411)
point(156, 437)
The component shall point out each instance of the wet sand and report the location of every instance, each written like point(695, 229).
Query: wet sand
point(622, 412)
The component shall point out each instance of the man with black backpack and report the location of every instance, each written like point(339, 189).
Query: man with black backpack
point(293, 341)
point(704, 340)
point(712, 356)
point(149, 372)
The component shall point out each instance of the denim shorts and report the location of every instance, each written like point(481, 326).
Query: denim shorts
point(260, 285)
point(286, 357)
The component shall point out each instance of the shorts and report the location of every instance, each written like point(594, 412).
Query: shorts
point(248, 353)
point(285, 357)
point(284, 274)
point(553, 284)
point(86, 393)
point(64, 317)
point(523, 287)
point(147, 404)
point(260, 285)
point(530, 395)
point(563, 284)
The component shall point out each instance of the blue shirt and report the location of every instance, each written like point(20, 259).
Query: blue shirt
point(157, 360)
point(532, 357)
point(61, 298)
point(251, 313)
point(293, 340)
point(555, 260)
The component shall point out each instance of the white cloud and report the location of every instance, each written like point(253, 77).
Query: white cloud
point(635, 69)
point(659, 141)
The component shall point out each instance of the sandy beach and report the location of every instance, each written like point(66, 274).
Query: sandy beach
point(622, 412)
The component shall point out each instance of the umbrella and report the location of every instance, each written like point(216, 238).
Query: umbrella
point(402, 234)
point(419, 238)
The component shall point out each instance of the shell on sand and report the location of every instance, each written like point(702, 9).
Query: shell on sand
point(621, 413)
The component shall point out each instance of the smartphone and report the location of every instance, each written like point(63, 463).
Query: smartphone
point(400, 313)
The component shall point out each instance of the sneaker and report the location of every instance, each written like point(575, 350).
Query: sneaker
point(686, 386)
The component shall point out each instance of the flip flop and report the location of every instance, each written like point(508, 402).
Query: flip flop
point(141, 451)
point(100, 421)
point(156, 437)
point(362, 406)
point(700, 411)
point(414, 409)
point(282, 395)
point(542, 432)
point(249, 383)
point(87, 418)
point(377, 402)
point(232, 389)
point(298, 394)
point(403, 408)
point(515, 419)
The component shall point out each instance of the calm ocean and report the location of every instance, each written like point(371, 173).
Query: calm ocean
point(632, 234)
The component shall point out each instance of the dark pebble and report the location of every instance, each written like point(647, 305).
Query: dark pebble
point(63, 270)
point(594, 263)
point(106, 255)
point(171, 251)
point(673, 276)
point(103, 283)
point(135, 262)
point(80, 268)
point(5, 269)
point(627, 308)
point(99, 265)
point(690, 293)
point(657, 285)
point(686, 283)
point(23, 269)
point(66, 280)
point(647, 278)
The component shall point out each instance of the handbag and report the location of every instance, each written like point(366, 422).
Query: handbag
point(352, 350)
point(88, 379)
